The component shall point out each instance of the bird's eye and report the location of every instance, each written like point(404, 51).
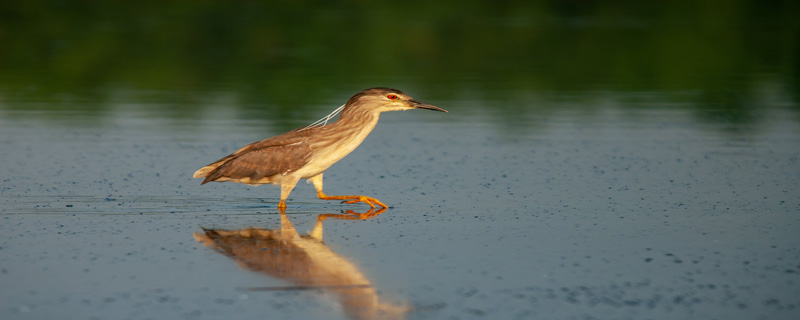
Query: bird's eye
point(392, 97)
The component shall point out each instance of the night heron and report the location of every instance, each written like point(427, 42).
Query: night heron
point(305, 153)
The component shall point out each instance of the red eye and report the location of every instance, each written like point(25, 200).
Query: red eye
point(392, 97)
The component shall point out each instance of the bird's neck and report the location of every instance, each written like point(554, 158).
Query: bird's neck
point(358, 119)
point(344, 135)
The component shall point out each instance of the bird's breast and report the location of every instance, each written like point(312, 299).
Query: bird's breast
point(332, 146)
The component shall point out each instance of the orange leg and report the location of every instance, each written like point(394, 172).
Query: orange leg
point(317, 180)
point(353, 199)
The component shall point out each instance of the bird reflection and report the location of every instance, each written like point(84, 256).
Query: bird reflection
point(305, 261)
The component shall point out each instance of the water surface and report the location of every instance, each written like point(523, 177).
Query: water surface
point(597, 162)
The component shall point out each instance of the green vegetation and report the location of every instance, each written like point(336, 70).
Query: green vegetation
point(719, 57)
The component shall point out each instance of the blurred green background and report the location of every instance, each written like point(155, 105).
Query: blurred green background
point(727, 61)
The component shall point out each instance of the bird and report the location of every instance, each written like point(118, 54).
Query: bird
point(305, 153)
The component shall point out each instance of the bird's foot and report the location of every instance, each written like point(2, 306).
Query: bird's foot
point(352, 199)
point(368, 200)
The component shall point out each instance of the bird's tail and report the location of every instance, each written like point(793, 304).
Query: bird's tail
point(204, 171)
point(208, 170)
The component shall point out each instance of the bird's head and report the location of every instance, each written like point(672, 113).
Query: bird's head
point(388, 99)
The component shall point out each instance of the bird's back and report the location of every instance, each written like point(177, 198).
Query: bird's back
point(263, 161)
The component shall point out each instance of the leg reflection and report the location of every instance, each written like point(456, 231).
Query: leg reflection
point(352, 215)
point(305, 262)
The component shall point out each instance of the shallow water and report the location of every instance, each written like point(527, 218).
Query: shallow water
point(608, 216)
point(598, 162)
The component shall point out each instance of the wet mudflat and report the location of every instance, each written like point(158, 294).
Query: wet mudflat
point(618, 214)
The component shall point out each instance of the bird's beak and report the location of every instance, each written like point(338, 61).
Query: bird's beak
point(423, 105)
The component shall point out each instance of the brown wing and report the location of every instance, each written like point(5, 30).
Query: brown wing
point(256, 162)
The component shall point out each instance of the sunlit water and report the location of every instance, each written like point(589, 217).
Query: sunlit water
point(613, 213)
point(599, 161)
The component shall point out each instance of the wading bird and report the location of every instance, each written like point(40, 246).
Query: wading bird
point(305, 153)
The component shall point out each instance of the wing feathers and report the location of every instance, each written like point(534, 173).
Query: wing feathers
point(257, 162)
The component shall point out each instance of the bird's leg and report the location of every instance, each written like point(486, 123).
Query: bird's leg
point(286, 189)
point(317, 180)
